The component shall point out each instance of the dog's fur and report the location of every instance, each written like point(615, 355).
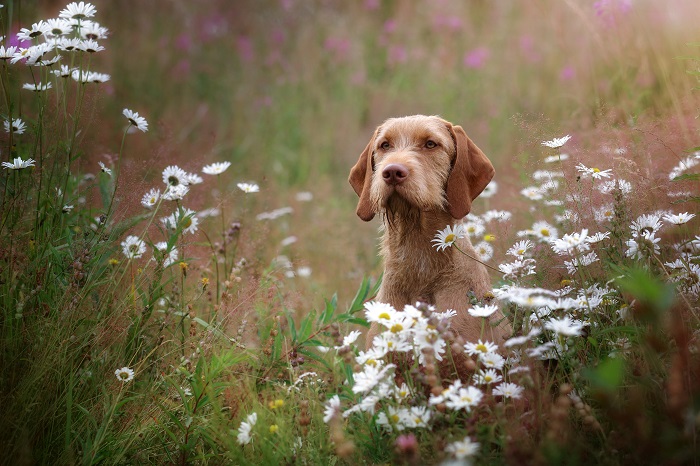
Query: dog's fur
point(439, 181)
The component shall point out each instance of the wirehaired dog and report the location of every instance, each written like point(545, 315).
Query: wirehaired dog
point(421, 174)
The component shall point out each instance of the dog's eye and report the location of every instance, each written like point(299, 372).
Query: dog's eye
point(430, 144)
point(385, 145)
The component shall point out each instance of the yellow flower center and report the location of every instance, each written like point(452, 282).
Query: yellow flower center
point(396, 328)
point(482, 347)
point(544, 232)
point(450, 238)
point(394, 418)
point(187, 222)
point(596, 170)
point(384, 315)
point(489, 238)
point(274, 428)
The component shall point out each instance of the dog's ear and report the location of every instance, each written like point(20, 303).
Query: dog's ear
point(471, 172)
point(361, 180)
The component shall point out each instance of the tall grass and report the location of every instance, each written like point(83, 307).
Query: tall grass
point(136, 330)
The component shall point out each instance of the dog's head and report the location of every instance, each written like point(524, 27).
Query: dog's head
point(422, 161)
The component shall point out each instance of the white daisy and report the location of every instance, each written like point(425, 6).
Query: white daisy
point(175, 176)
point(105, 169)
point(193, 178)
point(176, 193)
point(508, 390)
point(484, 250)
point(642, 246)
point(93, 30)
point(248, 187)
point(63, 72)
point(245, 429)
point(18, 164)
point(133, 247)
point(463, 449)
point(487, 377)
point(35, 31)
point(135, 120)
point(17, 127)
point(7, 53)
point(519, 249)
point(446, 238)
point(556, 142)
point(150, 198)
point(37, 87)
point(169, 256)
point(124, 374)
point(482, 310)
point(75, 10)
point(556, 158)
point(679, 219)
point(490, 190)
point(481, 347)
point(56, 27)
point(464, 398)
point(91, 46)
point(565, 326)
point(595, 173)
point(646, 225)
point(216, 168)
point(332, 408)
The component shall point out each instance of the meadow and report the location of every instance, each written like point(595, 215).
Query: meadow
point(183, 278)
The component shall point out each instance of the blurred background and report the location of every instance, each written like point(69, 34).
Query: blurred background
point(290, 91)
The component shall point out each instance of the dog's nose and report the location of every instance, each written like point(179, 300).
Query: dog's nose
point(395, 173)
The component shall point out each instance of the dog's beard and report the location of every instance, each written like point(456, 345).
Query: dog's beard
point(398, 211)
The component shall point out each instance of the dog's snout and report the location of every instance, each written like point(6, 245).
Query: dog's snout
point(395, 173)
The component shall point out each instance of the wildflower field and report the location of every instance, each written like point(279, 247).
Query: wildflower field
point(183, 278)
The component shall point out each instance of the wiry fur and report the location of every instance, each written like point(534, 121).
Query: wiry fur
point(413, 211)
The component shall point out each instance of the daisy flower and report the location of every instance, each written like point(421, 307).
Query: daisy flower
point(556, 142)
point(37, 87)
point(598, 237)
point(482, 311)
point(534, 193)
point(169, 256)
point(91, 46)
point(133, 247)
point(35, 31)
point(63, 72)
point(376, 311)
point(332, 408)
point(544, 231)
point(508, 390)
point(135, 120)
point(7, 53)
point(193, 178)
point(487, 377)
point(519, 249)
point(556, 158)
point(17, 126)
point(490, 190)
point(446, 238)
point(248, 187)
point(67, 208)
point(640, 246)
point(56, 27)
point(175, 176)
point(124, 374)
point(105, 169)
point(492, 360)
point(150, 198)
point(464, 398)
point(474, 228)
point(571, 243)
point(89, 77)
point(216, 168)
point(245, 429)
point(646, 225)
point(609, 186)
point(679, 219)
point(484, 250)
point(595, 173)
point(463, 449)
point(18, 164)
point(565, 326)
point(480, 348)
point(79, 11)
point(176, 193)
point(93, 30)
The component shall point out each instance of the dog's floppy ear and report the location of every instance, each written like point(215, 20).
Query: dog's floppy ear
point(471, 172)
point(361, 180)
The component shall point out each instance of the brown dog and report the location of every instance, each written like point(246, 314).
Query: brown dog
point(421, 173)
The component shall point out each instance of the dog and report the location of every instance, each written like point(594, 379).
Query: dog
point(421, 174)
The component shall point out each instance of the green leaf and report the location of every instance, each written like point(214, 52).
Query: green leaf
point(688, 176)
point(328, 312)
point(306, 326)
point(315, 357)
point(607, 376)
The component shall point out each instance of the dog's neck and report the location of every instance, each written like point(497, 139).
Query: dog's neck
point(405, 226)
